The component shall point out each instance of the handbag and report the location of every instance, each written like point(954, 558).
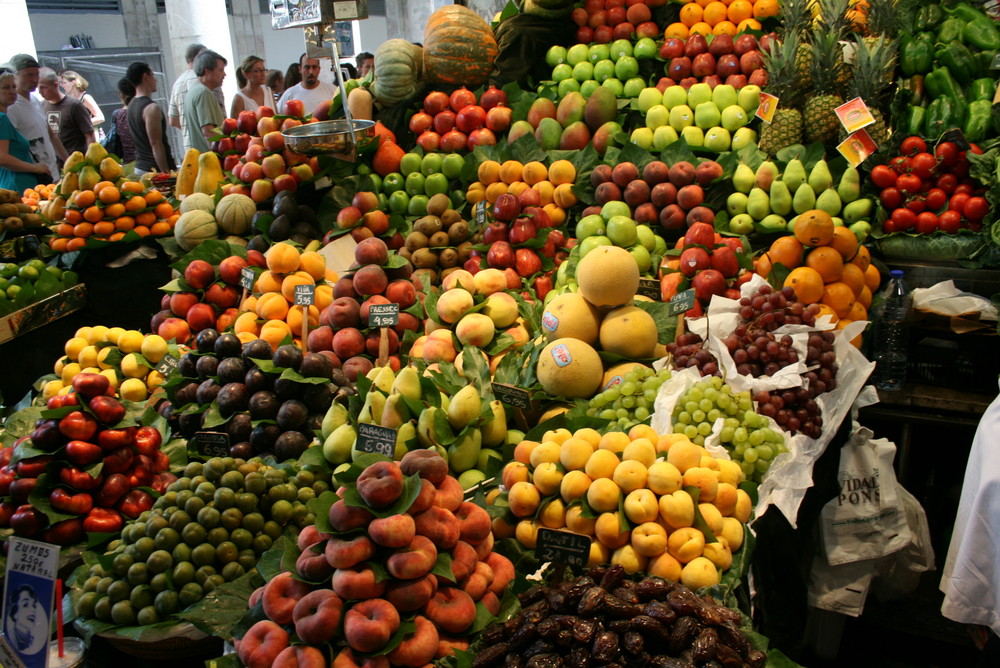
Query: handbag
point(112, 143)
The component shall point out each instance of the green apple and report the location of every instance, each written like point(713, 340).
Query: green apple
point(634, 86)
point(616, 85)
point(415, 183)
point(661, 245)
point(577, 54)
point(567, 86)
point(674, 96)
point(734, 117)
point(588, 87)
point(707, 115)
point(590, 226)
point(431, 164)
point(736, 204)
point(417, 205)
point(393, 182)
point(743, 138)
point(698, 93)
point(724, 95)
point(718, 139)
point(603, 69)
point(556, 55)
point(643, 137)
point(410, 163)
point(626, 67)
point(620, 48)
point(590, 243)
point(561, 72)
point(622, 232)
point(646, 237)
point(663, 137)
point(452, 165)
point(741, 223)
point(693, 135)
point(642, 258)
point(657, 117)
point(583, 70)
point(598, 52)
point(436, 184)
point(645, 48)
point(615, 208)
point(748, 97)
point(681, 117)
point(649, 98)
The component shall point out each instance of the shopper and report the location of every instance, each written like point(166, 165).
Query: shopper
point(119, 120)
point(311, 91)
point(202, 115)
point(293, 75)
point(18, 170)
point(178, 94)
point(276, 82)
point(366, 62)
point(147, 123)
point(254, 92)
point(75, 86)
point(27, 116)
point(65, 115)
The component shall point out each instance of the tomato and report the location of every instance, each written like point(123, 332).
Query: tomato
point(927, 223)
point(965, 188)
point(936, 198)
point(900, 164)
point(913, 145)
point(950, 221)
point(961, 169)
point(908, 184)
point(891, 198)
point(883, 177)
point(904, 218)
point(916, 204)
point(947, 183)
point(947, 153)
point(923, 164)
point(975, 209)
point(957, 202)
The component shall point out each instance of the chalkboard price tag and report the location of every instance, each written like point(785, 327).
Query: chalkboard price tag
point(212, 443)
point(376, 438)
point(167, 365)
point(957, 137)
point(512, 396)
point(681, 302)
point(563, 547)
point(383, 315)
point(649, 287)
point(305, 295)
point(246, 279)
point(995, 65)
point(479, 211)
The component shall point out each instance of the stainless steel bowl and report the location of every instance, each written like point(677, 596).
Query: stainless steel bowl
point(329, 138)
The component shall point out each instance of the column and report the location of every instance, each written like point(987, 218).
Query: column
point(247, 36)
point(190, 21)
point(142, 26)
point(407, 18)
point(18, 37)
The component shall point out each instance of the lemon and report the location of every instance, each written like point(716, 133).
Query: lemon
point(102, 355)
point(153, 348)
point(154, 379)
point(114, 334)
point(98, 334)
point(69, 371)
point(133, 389)
point(112, 376)
point(88, 356)
point(74, 346)
point(51, 389)
point(130, 341)
point(132, 368)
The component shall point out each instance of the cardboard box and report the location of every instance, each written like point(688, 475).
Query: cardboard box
point(42, 313)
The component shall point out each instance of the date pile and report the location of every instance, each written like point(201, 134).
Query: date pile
point(602, 618)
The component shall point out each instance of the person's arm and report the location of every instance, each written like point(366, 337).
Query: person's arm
point(281, 102)
point(8, 161)
point(96, 115)
point(174, 110)
point(152, 115)
point(237, 106)
point(82, 119)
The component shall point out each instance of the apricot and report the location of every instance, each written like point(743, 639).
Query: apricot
point(577, 523)
point(546, 452)
point(629, 558)
point(663, 478)
point(641, 506)
point(686, 544)
point(700, 572)
point(608, 530)
point(732, 531)
point(630, 475)
point(677, 509)
point(602, 464)
point(547, 477)
point(603, 495)
point(664, 566)
point(526, 533)
point(574, 485)
point(704, 479)
point(684, 454)
point(649, 539)
point(523, 499)
point(283, 258)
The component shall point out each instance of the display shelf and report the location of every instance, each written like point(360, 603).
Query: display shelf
point(41, 313)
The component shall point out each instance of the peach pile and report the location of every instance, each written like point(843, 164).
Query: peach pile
point(579, 482)
point(336, 596)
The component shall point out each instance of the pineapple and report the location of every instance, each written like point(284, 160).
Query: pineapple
point(874, 63)
point(819, 119)
point(785, 127)
point(796, 16)
point(833, 19)
point(882, 19)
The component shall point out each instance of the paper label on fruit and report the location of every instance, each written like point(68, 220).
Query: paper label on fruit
point(305, 295)
point(562, 355)
point(550, 322)
point(857, 147)
point(854, 115)
point(768, 105)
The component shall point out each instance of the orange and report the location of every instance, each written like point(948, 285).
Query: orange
point(863, 259)
point(764, 8)
point(146, 218)
point(814, 228)
point(153, 197)
point(117, 236)
point(63, 230)
point(73, 216)
point(858, 312)
point(159, 229)
point(93, 214)
point(701, 28)
point(715, 12)
point(75, 244)
point(125, 223)
point(510, 171)
point(865, 297)
point(704, 3)
point(807, 283)
point(142, 230)
point(676, 30)
point(488, 172)
point(59, 244)
point(724, 28)
point(109, 194)
point(762, 265)
point(135, 203)
point(748, 24)
point(826, 310)
point(83, 230)
point(691, 13)
point(827, 262)
point(786, 251)
point(534, 172)
point(84, 198)
point(839, 297)
point(104, 228)
point(562, 171)
point(872, 278)
point(102, 185)
point(164, 210)
point(173, 219)
point(739, 10)
point(854, 277)
point(133, 187)
point(114, 210)
point(845, 242)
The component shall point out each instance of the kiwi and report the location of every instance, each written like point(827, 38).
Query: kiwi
point(437, 204)
point(458, 232)
point(415, 240)
point(438, 239)
point(448, 258)
point(450, 217)
point(428, 225)
point(424, 258)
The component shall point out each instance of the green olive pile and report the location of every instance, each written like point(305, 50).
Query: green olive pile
point(210, 527)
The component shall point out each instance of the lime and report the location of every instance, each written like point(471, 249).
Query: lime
point(194, 505)
point(205, 491)
point(37, 264)
point(214, 468)
point(224, 498)
point(90, 584)
point(145, 547)
point(284, 492)
point(262, 543)
point(253, 522)
point(183, 573)
point(255, 483)
point(281, 512)
point(246, 502)
point(203, 555)
point(305, 495)
point(8, 270)
point(138, 574)
point(12, 291)
point(28, 273)
point(194, 534)
point(102, 609)
point(166, 603)
point(247, 559)
point(121, 565)
point(119, 591)
point(154, 524)
point(141, 597)
point(85, 604)
point(180, 485)
point(232, 480)
point(213, 582)
point(273, 529)
point(242, 538)
point(147, 615)
point(193, 469)
point(123, 613)
point(104, 585)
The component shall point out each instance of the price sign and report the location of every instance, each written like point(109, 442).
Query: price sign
point(383, 315)
point(768, 105)
point(649, 287)
point(167, 365)
point(305, 295)
point(378, 439)
point(857, 147)
point(512, 396)
point(995, 65)
point(563, 547)
point(29, 590)
point(212, 444)
point(681, 302)
point(957, 137)
point(246, 279)
point(854, 115)
point(480, 213)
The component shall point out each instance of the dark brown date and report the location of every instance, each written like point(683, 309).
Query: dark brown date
point(613, 578)
point(719, 615)
point(544, 661)
point(656, 632)
point(534, 594)
point(728, 657)
point(579, 657)
point(493, 634)
point(583, 630)
point(523, 637)
point(684, 602)
point(490, 655)
point(556, 600)
point(615, 607)
point(757, 659)
point(661, 612)
point(705, 645)
point(664, 661)
point(683, 634)
point(653, 588)
point(605, 646)
point(735, 639)
point(591, 602)
point(619, 626)
point(538, 647)
point(565, 638)
point(548, 628)
point(633, 642)
point(513, 661)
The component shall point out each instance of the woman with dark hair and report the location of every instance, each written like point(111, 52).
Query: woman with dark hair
point(253, 93)
point(276, 82)
point(119, 120)
point(293, 75)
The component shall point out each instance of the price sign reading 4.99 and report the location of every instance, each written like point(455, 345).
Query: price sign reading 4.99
point(383, 315)
point(305, 295)
point(212, 444)
point(563, 547)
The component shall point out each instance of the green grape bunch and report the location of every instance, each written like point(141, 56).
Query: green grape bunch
point(630, 401)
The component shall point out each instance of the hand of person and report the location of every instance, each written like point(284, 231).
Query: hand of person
point(41, 170)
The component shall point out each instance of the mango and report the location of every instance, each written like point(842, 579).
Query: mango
point(576, 136)
point(605, 136)
point(548, 133)
point(518, 130)
point(570, 109)
point(602, 108)
point(541, 108)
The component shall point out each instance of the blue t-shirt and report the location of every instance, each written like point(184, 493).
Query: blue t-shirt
point(18, 147)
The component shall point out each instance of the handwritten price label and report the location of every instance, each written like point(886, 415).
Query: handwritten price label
point(681, 302)
point(212, 444)
point(167, 365)
point(563, 547)
point(512, 396)
point(305, 295)
point(649, 287)
point(246, 279)
point(383, 315)
point(377, 439)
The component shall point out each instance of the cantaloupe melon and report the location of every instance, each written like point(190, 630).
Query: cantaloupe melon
point(197, 202)
point(570, 315)
point(629, 331)
point(194, 227)
point(569, 368)
point(608, 276)
point(234, 213)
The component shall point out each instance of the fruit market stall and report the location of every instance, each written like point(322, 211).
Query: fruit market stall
point(531, 369)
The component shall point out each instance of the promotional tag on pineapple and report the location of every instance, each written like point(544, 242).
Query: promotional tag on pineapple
point(768, 105)
point(857, 147)
point(29, 591)
point(563, 547)
point(854, 115)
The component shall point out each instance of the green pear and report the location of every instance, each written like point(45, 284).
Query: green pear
point(406, 433)
point(736, 204)
point(741, 223)
point(485, 455)
point(338, 445)
point(463, 454)
point(743, 178)
point(837, 222)
point(820, 178)
point(766, 175)
point(336, 415)
point(781, 199)
point(805, 198)
point(849, 187)
point(384, 379)
point(861, 230)
point(426, 432)
point(794, 175)
point(790, 227)
point(471, 478)
point(495, 431)
point(829, 201)
point(395, 414)
point(464, 407)
point(407, 383)
point(681, 117)
point(771, 224)
point(514, 436)
point(371, 412)
point(859, 209)
point(758, 204)
point(724, 96)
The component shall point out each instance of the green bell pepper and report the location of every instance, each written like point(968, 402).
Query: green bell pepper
point(915, 87)
point(940, 83)
point(915, 120)
point(978, 30)
point(943, 114)
point(982, 89)
point(959, 61)
point(929, 17)
point(950, 31)
point(917, 54)
point(978, 120)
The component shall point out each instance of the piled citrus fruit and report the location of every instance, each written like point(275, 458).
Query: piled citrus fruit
point(553, 185)
point(705, 17)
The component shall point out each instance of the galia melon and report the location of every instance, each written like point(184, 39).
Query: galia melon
point(570, 315)
point(569, 368)
point(234, 213)
point(198, 202)
point(608, 276)
point(194, 227)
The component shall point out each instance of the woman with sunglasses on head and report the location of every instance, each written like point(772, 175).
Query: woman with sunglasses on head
point(253, 92)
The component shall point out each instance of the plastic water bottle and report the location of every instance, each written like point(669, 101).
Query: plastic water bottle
point(891, 340)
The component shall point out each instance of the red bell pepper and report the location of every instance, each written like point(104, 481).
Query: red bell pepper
point(112, 439)
point(91, 385)
point(82, 453)
point(103, 520)
point(78, 504)
point(135, 503)
point(114, 488)
point(78, 425)
point(148, 440)
point(80, 480)
point(108, 410)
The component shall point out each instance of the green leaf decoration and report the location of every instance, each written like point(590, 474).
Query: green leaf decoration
point(296, 377)
point(406, 628)
point(483, 618)
point(320, 507)
point(269, 565)
point(223, 607)
point(442, 567)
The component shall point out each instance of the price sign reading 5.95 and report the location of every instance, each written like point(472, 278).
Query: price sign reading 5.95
point(305, 295)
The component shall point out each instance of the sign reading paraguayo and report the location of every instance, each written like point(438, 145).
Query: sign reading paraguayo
point(28, 596)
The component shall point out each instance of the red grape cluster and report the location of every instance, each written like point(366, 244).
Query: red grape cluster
point(769, 310)
point(688, 350)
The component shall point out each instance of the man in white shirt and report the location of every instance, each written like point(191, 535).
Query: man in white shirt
point(27, 116)
point(311, 91)
point(179, 92)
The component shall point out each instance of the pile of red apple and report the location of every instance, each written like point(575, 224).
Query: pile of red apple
point(458, 122)
point(725, 61)
point(518, 238)
point(708, 262)
point(344, 326)
point(208, 298)
point(670, 196)
point(604, 21)
point(253, 149)
point(92, 473)
point(336, 598)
